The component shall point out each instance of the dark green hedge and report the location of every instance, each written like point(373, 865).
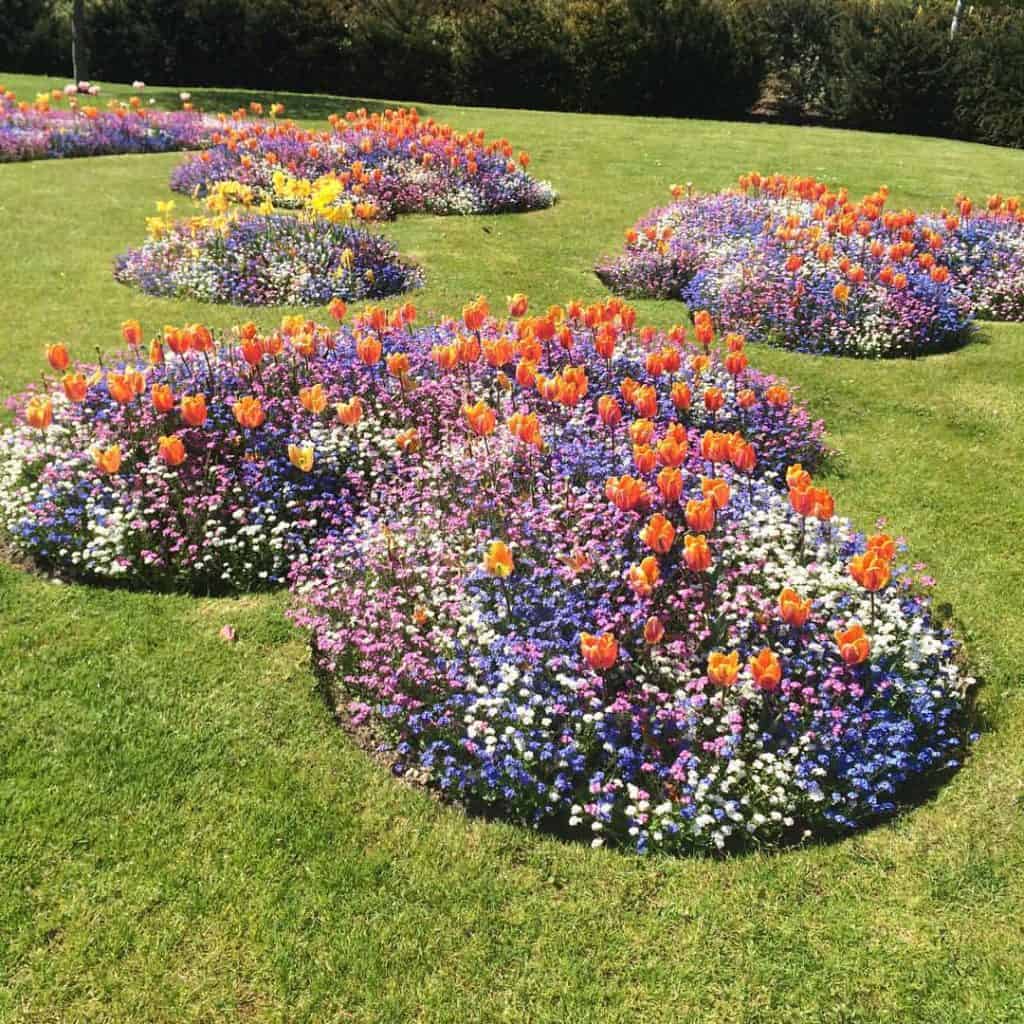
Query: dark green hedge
point(880, 64)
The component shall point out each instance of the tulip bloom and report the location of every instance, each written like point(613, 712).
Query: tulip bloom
point(801, 499)
point(57, 357)
point(600, 652)
point(337, 309)
point(671, 452)
point(717, 490)
point(883, 545)
point(700, 515)
point(75, 386)
point(681, 395)
point(498, 560)
point(108, 460)
point(766, 670)
point(398, 364)
point(797, 477)
point(350, 412)
point(408, 440)
point(714, 399)
point(643, 578)
point(658, 534)
point(120, 388)
point(368, 349)
point(654, 630)
point(171, 450)
point(746, 398)
point(778, 396)
point(131, 332)
point(162, 397)
point(736, 363)
point(474, 315)
point(696, 552)
point(609, 410)
point(313, 399)
point(742, 455)
point(824, 505)
point(641, 431)
point(670, 484)
point(193, 410)
point(870, 570)
point(39, 412)
point(841, 293)
point(723, 669)
point(517, 304)
point(249, 412)
point(853, 644)
point(793, 609)
point(714, 447)
point(301, 456)
point(526, 427)
point(625, 492)
point(480, 417)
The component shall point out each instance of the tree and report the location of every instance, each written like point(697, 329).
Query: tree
point(79, 46)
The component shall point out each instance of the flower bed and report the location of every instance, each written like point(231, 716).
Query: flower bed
point(789, 262)
point(41, 131)
point(401, 163)
point(613, 627)
point(172, 468)
point(254, 259)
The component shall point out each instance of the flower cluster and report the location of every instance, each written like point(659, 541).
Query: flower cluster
point(787, 261)
point(265, 259)
point(573, 609)
point(397, 161)
point(211, 465)
point(43, 130)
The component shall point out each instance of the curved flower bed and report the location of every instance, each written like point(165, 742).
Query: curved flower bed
point(662, 653)
point(278, 259)
point(400, 162)
point(38, 131)
point(213, 466)
point(787, 261)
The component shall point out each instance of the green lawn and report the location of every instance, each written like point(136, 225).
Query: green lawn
point(186, 836)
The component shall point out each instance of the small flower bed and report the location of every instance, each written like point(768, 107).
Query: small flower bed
point(581, 615)
point(255, 259)
point(42, 130)
point(396, 160)
point(213, 466)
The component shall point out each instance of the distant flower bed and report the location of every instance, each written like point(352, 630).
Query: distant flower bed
point(214, 465)
point(787, 261)
point(396, 160)
point(265, 259)
point(40, 130)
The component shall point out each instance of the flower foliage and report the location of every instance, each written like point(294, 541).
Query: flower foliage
point(787, 261)
point(42, 130)
point(395, 160)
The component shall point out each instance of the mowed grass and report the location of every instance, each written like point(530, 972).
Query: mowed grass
point(186, 836)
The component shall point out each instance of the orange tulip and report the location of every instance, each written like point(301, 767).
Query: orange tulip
point(120, 388)
point(200, 337)
point(723, 669)
point(193, 410)
point(131, 332)
point(883, 545)
point(643, 578)
point(480, 417)
point(368, 349)
point(671, 452)
point(600, 652)
point(793, 609)
point(156, 352)
point(645, 458)
point(778, 396)
point(172, 450)
point(654, 630)
point(57, 356)
point(409, 440)
point(641, 431)
point(625, 492)
point(696, 552)
point(742, 455)
point(824, 505)
point(736, 362)
point(350, 412)
point(162, 397)
point(645, 401)
point(716, 489)
point(797, 477)
point(714, 399)
point(108, 460)
point(746, 398)
point(766, 670)
point(249, 412)
point(853, 644)
point(526, 427)
point(801, 499)
point(313, 399)
point(658, 534)
point(474, 315)
point(498, 560)
point(39, 412)
point(398, 364)
point(75, 386)
point(517, 304)
point(301, 456)
point(841, 293)
point(609, 410)
point(670, 483)
point(700, 515)
point(681, 395)
point(714, 447)
point(337, 309)
point(870, 570)
point(498, 353)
